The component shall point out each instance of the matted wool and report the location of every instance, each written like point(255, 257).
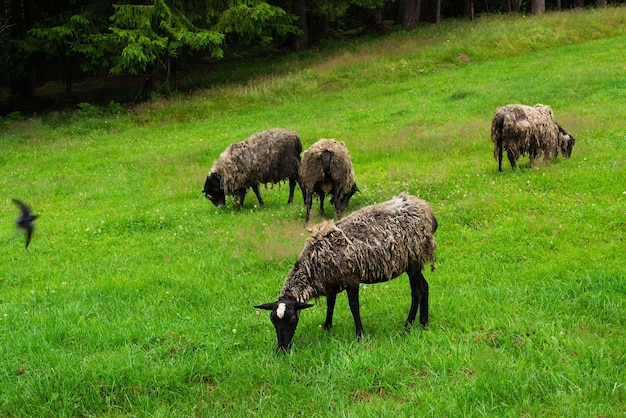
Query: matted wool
point(374, 244)
point(525, 130)
point(341, 170)
point(265, 157)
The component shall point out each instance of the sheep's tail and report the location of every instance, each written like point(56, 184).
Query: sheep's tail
point(326, 157)
point(298, 147)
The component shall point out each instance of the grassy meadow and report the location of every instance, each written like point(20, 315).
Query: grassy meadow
point(135, 297)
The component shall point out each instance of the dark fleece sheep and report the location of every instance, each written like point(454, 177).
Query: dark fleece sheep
point(270, 156)
point(521, 129)
point(327, 168)
point(374, 244)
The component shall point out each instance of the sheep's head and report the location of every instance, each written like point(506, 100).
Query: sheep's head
point(342, 202)
point(285, 316)
point(566, 142)
point(214, 191)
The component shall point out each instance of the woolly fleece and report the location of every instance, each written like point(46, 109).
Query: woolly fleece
point(525, 129)
point(374, 244)
point(270, 156)
point(341, 170)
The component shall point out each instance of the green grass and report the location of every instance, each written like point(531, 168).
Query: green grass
point(136, 295)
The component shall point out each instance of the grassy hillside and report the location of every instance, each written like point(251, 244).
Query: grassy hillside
point(135, 297)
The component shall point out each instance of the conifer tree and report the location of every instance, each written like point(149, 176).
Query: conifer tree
point(140, 39)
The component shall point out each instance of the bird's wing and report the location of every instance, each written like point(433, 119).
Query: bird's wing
point(23, 206)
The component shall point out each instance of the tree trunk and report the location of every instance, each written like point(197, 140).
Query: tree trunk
point(434, 11)
point(409, 13)
point(469, 9)
point(377, 21)
point(600, 3)
point(24, 86)
point(537, 7)
point(174, 74)
point(68, 74)
point(300, 41)
point(325, 25)
point(25, 75)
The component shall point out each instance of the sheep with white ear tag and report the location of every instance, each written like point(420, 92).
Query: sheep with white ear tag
point(372, 245)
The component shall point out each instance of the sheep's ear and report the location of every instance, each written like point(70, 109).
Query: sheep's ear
point(220, 180)
point(267, 306)
point(300, 305)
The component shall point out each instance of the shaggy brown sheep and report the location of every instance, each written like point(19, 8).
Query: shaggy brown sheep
point(327, 168)
point(520, 129)
point(372, 245)
point(270, 156)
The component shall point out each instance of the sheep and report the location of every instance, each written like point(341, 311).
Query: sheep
point(270, 156)
point(520, 129)
point(372, 245)
point(327, 168)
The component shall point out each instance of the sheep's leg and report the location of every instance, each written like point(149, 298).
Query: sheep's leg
point(240, 198)
point(419, 296)
point(303, 191)
point(308, 201)
point(512, 158)
point(330, 309)
point(255, 189)
point(292, 189)
point(423, 284)
point(533, 156)
point(353, 302)
point(500, 151)
point(322, 197)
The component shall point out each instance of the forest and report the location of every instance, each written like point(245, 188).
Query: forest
point(67, 40)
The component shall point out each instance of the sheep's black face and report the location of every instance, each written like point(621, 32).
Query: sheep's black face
point(285, 316)
point(342, 203)
point(213, 190)
point(566, 143)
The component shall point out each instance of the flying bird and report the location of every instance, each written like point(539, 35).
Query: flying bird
point(25, 220)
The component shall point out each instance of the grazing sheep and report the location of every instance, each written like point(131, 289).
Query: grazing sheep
point(270, 156)
point(327, 168)
point(520, 129)
point(374, 244)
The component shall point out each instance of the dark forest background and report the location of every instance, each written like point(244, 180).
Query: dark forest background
point(149, 43)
